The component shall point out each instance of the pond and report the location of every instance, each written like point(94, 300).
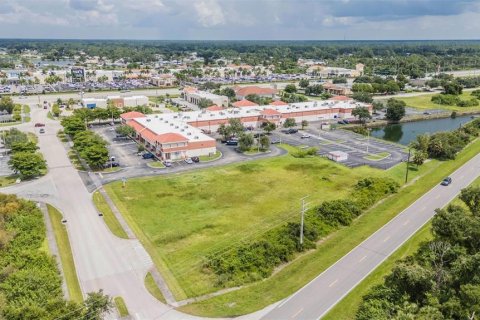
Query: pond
point(404, 133)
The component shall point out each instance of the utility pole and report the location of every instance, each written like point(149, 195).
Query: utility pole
point(304, 209)
point(408, 164)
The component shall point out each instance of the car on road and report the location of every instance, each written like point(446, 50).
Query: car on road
point(447, 181)
point(188, 161)
point(305, 136)
point(275, 141)
point(38, 125)
point(42, 130)
point(195, 159)
point(148, 155)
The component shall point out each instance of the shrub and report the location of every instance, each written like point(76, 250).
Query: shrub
point(445, 99)
point(468, 103)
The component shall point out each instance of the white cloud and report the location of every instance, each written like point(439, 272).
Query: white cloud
point(209, 13)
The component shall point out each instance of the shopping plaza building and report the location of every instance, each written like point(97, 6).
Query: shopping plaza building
point(175, 136)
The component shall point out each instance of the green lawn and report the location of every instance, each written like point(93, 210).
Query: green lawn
point(182, 218)
point(75, 160)
point(156, 164)
point(110, 220)
point(153, 288)
point(303, 269)
point(65, 251)
point(26, 108)
point(8, 180)
point(121, 306)
point(377, 156)
point(213, 157)
point(424, 102)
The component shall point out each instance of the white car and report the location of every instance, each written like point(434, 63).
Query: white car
point(305, 136)
point(188, 160)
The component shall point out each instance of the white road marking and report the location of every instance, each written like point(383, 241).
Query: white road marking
point(362, 259)
point(406, 222)
point(333, 283)
point(297, 313)
point(100, 174)
point(385, 240)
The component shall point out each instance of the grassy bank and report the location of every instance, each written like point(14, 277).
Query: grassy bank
point(108, 216)
point(121, 306)
point(66, 256)
point(301, 271)
point(424, 102)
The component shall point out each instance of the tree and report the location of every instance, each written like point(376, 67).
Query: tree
point(268, 127)
point(362, 87)
point(362, 97)
point(362, 113)
point(72, 125)
point(97, 304)
point(225, 131)
point(452, 87)
point(377, 106)
point(125, 130)
point(95, 155)
point(304, 83)
point(419, 157)
point(204, 103)
point(314, 90)
point(395, 110)
point(290, 88)
point(56, 110)
point(471, 197)
point(23, 146)
point(236, 126)
point(304, 124)
point(264, 142)
point(289, 123)
point(6, 103)
point(339, 80)
point(27, 164)
point(245, 142)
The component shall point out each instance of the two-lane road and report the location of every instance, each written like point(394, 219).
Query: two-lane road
point(315, 299)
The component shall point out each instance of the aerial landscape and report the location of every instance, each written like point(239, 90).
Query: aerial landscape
point(239, 159)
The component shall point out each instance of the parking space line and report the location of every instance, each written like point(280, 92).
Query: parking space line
point(333, 283)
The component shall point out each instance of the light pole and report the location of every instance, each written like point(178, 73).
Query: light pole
point(304, 209)
point(408, 164)
point(368, 138)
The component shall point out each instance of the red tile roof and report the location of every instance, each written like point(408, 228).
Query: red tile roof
point(214, 108)
point(340, 98)
point(136, 126)
point(270, 112)
point(245, 91)
point(244, 103)
point(170, 137)
point(149, 135)
point(278, 103)
point(132, 115)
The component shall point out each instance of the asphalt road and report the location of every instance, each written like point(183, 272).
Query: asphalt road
point(315, 299)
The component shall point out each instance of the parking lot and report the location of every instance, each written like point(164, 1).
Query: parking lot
point(360, 149)
point(4, 169)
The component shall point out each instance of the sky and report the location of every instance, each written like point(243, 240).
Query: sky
point(241, 19)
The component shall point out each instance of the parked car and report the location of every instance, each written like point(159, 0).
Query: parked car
point(148, 155)
point(195, 159)
point(275, 141)
point(167, 164)
point(447, 181)
point(188, 160)
point(292, 131)
point(38, 124)
point(232, 143)
point(305, 136)
point(42, 130)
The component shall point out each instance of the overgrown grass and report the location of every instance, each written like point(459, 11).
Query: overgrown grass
point(108, 216)
point(347, 308)
point(8, 180)
point(66, 256)
point(301, 271)
point(213, 157)
point(424, 102)
point(121, 306)
point(182, 218)
point(156, 164)
point(153, 288)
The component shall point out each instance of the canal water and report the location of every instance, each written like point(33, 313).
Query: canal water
point(404, 133)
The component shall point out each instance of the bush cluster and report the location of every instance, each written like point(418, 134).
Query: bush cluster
point(302, 153)
point(256, 260)
point(451, 100)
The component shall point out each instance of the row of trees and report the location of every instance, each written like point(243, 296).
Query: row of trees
point(30, 285)
point(441, 280)
point(257, 259)
point(25, 160)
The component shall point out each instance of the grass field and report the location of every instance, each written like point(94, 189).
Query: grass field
point(182, 218)
point(156, 164)
point(121, 306)
point(153, 288)
point(110, 220)
point(424, 102)
point(213, 157)
point(65, 251)
point(303, 269)
point(8, 180)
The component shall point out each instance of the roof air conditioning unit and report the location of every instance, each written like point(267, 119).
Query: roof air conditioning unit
point(171, 124)
point(189, 133)
point(196, 137)
point(148, 120)
point(176, 127)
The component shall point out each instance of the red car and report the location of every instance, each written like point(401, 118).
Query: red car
point(38, 124)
